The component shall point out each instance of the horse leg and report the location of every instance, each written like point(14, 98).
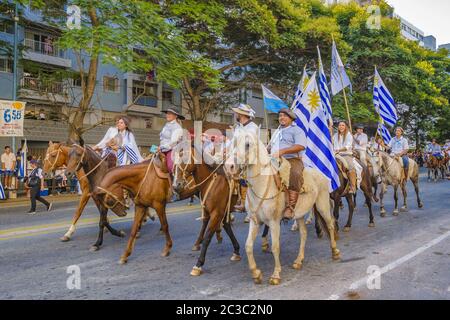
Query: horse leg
point(351, 207)
point(415, 181)
point(382, 192)
point(236, 255)
point(395, 213)
point(375, 189)
point(83, 201)
point(275, 236)
point(101, 226)
point(336, 208)
point(196, 246)
point(322, 208)
point(138, 218)
point(212, 228)
point(252, 234)
point(369, 206)
point(405, 195)
point(161, 211)
point(319, 231)
point(303, 232)
point(265, 239)
point(114, 232)
point(219, 235)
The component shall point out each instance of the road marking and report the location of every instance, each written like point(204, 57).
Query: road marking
point(391, 266)
point(22, 232)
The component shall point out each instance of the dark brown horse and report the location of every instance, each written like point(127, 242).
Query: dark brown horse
point(342, 191)
point(217, 196)
point(95, 167)
point(149, 186)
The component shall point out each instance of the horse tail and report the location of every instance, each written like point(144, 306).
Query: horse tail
point(323, 224)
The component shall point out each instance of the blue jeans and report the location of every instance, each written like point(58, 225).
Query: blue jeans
point(405, 161)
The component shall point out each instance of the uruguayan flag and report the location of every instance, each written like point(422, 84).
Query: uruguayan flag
point(23, 160)
point(339, 78)
point(324, 92)
point(383, 101)
point(2, 192)
point(271, 101)
point(302, 84)
point(384, 133)
point(319, 150)
point(301, 110)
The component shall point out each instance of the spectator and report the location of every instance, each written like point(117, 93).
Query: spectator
point(35, 183)
point(74, 184)
point(41, 114)
point(8, 160)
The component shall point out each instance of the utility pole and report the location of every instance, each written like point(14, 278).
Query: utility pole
point(16, 31)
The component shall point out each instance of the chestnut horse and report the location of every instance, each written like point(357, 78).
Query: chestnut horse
point(148, 183)
point(89, 161)
point(435, 165)
point(216, 190)
point(58, 155)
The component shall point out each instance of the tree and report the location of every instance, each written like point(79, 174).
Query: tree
point(109, 31)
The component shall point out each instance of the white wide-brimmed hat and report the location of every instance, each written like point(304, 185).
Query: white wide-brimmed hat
point(244, 109)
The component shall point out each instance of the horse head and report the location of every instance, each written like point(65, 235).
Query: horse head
point(112, 198)
point(55, 157)
point(77, 158)
point(184, 168)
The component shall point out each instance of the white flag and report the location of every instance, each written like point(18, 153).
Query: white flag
point(339, 78)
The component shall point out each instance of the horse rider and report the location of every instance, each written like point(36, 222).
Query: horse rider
point(399, 149)
point(343, 149)
point(171, 134)
point(361, 141)
point(244, 117)
point(120, 141)
point(289, 141)
point(435, 150)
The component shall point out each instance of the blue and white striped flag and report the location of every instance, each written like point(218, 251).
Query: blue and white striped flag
point(384, 133)
point(324, 92)
point(23, 160)
point(2, 192)
point(303, 113)
point(383, 101)
point(319, 150)
point(339, 78)
point(271, 101)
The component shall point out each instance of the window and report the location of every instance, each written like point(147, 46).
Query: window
point(110, 84)
point(6, 65)
point(226, 118)
point(6, 26)
point(144, 93)
point(167, 95)
point(148, 123)
point(77, 79)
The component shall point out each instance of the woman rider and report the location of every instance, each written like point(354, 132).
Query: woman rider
point(170, 135)
point(120, 140)
point(343, 148)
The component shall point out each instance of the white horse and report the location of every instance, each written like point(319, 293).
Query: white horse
point(265, 202)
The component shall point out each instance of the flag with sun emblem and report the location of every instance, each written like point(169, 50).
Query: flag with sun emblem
point(319, 149)
point(302, 112)
point(301, 85)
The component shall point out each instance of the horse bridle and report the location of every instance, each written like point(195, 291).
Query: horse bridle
point(56, 159)
point(117, 200)
point(78, 166)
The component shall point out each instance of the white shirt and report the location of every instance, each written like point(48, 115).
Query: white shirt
point(398, 145)
point(362, 139)
point(170, 135)
point(126, 139)
point(8, 160)
point(347, 143)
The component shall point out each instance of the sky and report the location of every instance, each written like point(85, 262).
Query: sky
point(431, 16)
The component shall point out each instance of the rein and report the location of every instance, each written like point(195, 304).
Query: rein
point(145, 177)
point(56, 160)
point(117, 200)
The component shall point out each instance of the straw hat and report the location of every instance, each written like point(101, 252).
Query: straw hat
point(245, 110)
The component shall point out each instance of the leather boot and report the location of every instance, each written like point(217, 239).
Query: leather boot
point(243, 194)
point(291, 198)
point(352, 182)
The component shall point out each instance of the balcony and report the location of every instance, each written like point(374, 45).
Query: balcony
point(38, 89)
point(45, 52)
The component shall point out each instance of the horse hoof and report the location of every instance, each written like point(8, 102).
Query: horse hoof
point(64, 239)
point(161, 232)
point(297, 266)
point(94, 248)
point(336, 254)
point(372, 225)
point(420, 205)
point(196, 271)
point(403, 209)
point(123, 261)
point(165, 253)
point(274, 281)
point(195, 248)
point(346, 229)
point(122, 234)
point(395, 213)
point(320, 235)
point(257, 276)
point(235, 257)
point(376, 199)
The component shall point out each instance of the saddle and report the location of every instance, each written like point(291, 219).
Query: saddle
point(162, 171)
point(282, 169)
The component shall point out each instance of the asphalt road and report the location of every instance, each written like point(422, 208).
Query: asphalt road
point(411, 253)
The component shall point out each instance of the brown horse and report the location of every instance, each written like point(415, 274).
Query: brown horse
point(95, 167)
point(435, 165)
point(58, 155)
point(217, 196)
point(148, 184)
point(342, 191)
